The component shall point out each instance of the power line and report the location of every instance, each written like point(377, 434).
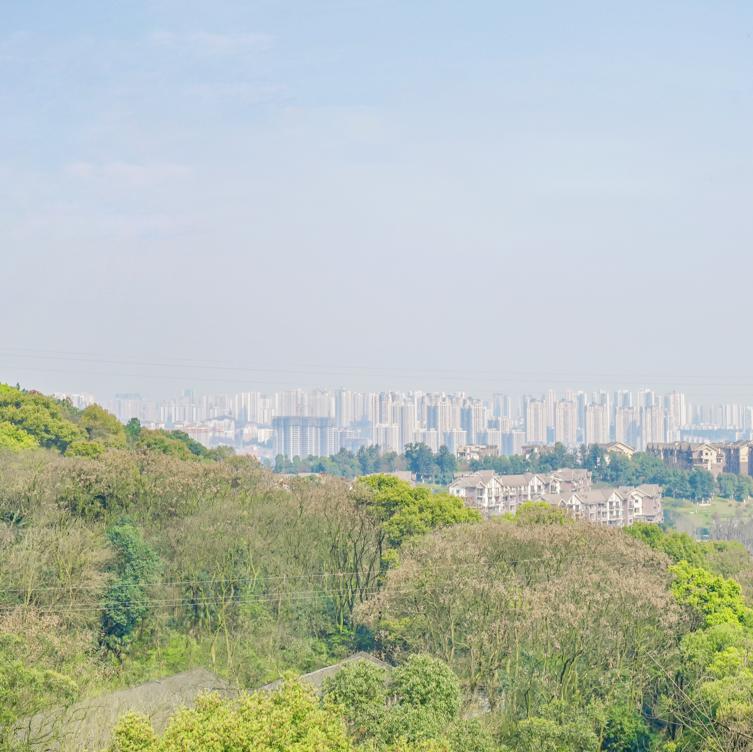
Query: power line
point(275, 597)
point(361, 367)
point(312, 384)
point(465, 376)
point(169, 583)
point(188, 600)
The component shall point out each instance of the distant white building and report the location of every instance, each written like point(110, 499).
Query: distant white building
point(626, 426)
point(305, 436)
point(387, 437)
point(79, 401)
point(536, 422)
point(430, 437)
point(597, 424)
point(566, 423)
point(211, 432)
point(513, 442)
point(404, 417)
point(455, 439)
point(653, 427)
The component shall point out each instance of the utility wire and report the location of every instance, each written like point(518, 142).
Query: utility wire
point(310, 595)
point(549, 559)
point(364, 368)
point(319, 383)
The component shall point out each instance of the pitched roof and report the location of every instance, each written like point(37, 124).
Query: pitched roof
point(568, 473)
point(316, 678)
point(484, 477)
point(598, 495)
point(556, 499)
point(518, 480)
point(88, 724)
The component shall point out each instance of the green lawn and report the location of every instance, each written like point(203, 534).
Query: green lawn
point(435, 487)
point(699, 515)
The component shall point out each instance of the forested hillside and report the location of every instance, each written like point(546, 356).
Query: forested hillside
point(146, 555)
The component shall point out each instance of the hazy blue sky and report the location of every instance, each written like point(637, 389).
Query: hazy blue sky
point(560, 188)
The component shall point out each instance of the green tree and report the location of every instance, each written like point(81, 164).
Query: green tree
point(702, 484)
point(102, 426)
point(164, 442)
point(538, 513)
point(727, 483)
point(678, 546)
point(743, 488)
point(447, 463)
point(626, 730)
point(648, 469)
point(368, 459)
point(420, 460)
point(428, 700)
point(519, 464)
point(220, 453)
point(419, 701)
point(359, 689)
point(193, 446)
point(717, 600)
point(15, 438)
point(133, 430)
point(283, 721)
point(41, 417)
point(547, 735)
point(427, 511)
point(597, 461)
point(133, 568)
point(85, 449)
point(26, 689)
point(414, 511)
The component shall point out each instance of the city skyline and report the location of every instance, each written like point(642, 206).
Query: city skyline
point(163, 377)
point(322, 421)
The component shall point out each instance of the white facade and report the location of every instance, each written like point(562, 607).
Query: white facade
point(566, 423)
point(536, 422)
point(597, 424)
point(387, 437)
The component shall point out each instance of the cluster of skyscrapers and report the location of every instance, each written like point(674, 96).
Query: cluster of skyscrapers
point(320, 422)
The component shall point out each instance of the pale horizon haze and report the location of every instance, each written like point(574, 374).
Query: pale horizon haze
point(487, 196)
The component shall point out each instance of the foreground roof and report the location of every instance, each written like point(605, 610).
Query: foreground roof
point(88, 725)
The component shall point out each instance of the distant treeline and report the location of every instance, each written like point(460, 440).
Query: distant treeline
point(615, 469)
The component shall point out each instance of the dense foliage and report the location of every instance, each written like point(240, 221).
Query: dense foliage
point(29, 420)
point(289, 720)
point(149, 556)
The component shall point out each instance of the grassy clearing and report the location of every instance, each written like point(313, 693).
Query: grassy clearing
point(701, 515)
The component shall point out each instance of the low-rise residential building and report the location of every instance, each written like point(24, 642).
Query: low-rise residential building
point(720, 457)
point(496, 494)
point(480, 490)
point(567, 488)
point(618, 447)
point(647, 502)
point(737, 457)
point(604, 506)
point(477, 452)
point(572, 480)
point(612, 506)
point(518, 489)
point(685, 455)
